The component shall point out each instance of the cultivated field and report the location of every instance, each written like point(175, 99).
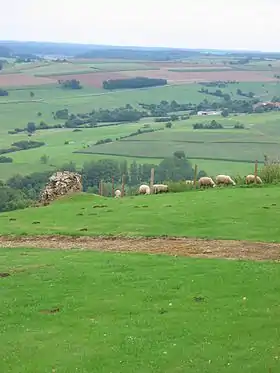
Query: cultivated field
point(93, 73)
point(213, 152)
point(96, 284)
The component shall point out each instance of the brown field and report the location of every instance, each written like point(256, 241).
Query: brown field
point(18, 80)
point(92, 79)
point(96, 79)
point(193, 76)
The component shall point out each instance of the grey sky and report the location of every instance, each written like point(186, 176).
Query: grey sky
point(221, 24)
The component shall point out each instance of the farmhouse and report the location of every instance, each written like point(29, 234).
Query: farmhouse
point(209, 113)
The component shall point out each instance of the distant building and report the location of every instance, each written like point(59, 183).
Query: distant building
point(271, 105)
point(209, 113)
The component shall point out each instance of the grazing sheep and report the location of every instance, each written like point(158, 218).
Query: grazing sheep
point(206, 182)
point(225, 180)
point(118, 193)
point(189, 182)
point(144, 189)
point(160, 188)
point(250, 179)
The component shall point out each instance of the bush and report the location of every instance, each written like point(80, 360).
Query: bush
point(6, 159)
point(3, 92)
point(104, 141)
point(270, 173)
point(178, 187)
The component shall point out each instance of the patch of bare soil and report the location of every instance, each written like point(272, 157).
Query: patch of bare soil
point(199, 248)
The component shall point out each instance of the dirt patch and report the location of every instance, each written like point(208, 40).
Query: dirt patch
point(51, 311)
point(199, 248)
point(18, 80)
point(4, 274)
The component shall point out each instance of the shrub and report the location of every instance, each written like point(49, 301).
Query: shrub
point(178, 187)
point(6, 159)
point(270, 173)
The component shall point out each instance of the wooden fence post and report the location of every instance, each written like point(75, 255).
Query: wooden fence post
point(123, 183)
point(256, 172)
point(101, 188)
point(152, 180)
point(195, 176)
point(113, 186)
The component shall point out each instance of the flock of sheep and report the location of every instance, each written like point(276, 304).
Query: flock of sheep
point(203, 182)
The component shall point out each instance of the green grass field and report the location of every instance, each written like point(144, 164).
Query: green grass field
point(218, 213)
point(19, 108)
point(135, 313)
point(68, 311)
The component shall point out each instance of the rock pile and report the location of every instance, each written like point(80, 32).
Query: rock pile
point(60, 184)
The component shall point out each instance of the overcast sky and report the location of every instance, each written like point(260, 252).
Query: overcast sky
point(220, 24)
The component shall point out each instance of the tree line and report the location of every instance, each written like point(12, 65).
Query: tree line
point(138, 82)
point(21, 191)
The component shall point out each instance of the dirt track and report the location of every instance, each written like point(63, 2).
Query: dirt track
point(172, 246)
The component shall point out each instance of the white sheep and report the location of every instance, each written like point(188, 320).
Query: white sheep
point(144, 189)
point(160, 188)
point(206, 182)
point(118, 193)
point(250, 179)
point(225, 180)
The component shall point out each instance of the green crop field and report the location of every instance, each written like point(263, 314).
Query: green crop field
point(260, 136)
point(219, 213)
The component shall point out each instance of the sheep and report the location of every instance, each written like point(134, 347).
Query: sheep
point(118, 193)
point(160, 188)
point(225, 180)
point(250, 179)
point(206, 182)
point(144, 189)
point(189, 182)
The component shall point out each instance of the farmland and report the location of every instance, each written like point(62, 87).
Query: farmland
point(222, 151)
point(138, 284)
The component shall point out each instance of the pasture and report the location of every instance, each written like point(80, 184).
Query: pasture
point(219, 213)
point(69, 311)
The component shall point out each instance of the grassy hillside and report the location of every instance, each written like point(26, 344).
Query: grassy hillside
point(243, 213)
point(101, 312)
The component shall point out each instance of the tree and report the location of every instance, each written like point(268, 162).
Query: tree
point(225, 113)
point(180, 154)
point(134, 174)
point(44, 159)
point(227, 97)
point(31, 127)
point(32, 94)
point(168, 125)
point(39, 114)
point(1, 65)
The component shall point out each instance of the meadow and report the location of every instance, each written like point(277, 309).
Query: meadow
point(72, 311)
point(219, 213)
